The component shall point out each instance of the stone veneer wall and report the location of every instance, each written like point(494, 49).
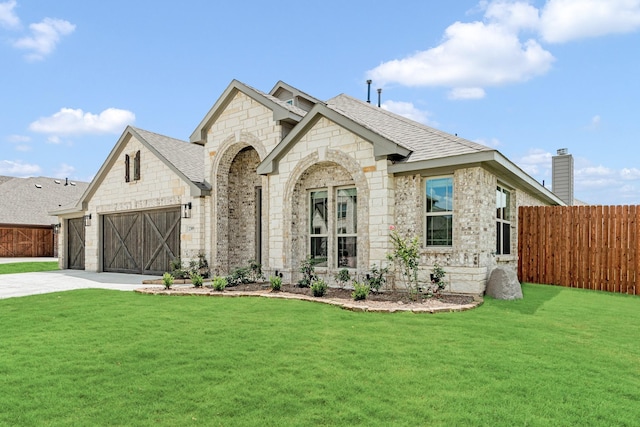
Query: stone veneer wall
point(158, 187)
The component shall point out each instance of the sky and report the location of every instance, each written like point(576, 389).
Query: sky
point(524, 77)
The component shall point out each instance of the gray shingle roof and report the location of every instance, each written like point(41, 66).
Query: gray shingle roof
point(186, 157)
point(23, 202)
point(425, 142)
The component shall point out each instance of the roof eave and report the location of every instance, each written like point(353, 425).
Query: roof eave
point(492, 159)
point(382, 147)
point(199, 135)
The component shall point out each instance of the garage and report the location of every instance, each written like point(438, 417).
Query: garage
point(141, 242)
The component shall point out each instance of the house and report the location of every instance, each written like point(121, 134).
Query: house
point(277, 177)
point(26, 227)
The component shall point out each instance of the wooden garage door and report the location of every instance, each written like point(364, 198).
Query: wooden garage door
point(141, 242)
point(26, 241)
point(75, 243)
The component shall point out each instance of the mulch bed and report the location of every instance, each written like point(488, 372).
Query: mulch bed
point(385, 301)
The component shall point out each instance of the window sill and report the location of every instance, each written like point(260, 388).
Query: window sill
point(506, 258)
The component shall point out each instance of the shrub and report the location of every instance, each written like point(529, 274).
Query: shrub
point(255, 271)
point(360, 291)
point(238, 276)
point(196, 280)
point(176, 269)
point(199, 266)
point(376, 278)
point(276, 282)
point(342, 277)
point(319, 288)
point(405, 255)
point(167, 280)
point(308, 273)
point(219, 283)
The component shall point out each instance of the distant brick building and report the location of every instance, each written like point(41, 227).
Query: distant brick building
point(279, 176)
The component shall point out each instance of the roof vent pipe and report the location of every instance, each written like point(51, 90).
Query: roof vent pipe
point(66, 181)
point(369, 91)
point(379, 96)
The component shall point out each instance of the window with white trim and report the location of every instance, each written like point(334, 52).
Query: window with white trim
point(438, 221)
point(503, 221)
point(347, 227)
point(319, 232)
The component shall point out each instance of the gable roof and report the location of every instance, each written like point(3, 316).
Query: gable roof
point(281, 110)
point(184, 159)
point(27, 201)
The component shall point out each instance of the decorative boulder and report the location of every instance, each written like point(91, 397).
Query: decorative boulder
point(503, 284)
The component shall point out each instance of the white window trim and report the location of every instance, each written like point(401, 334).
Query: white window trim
point(426, 214)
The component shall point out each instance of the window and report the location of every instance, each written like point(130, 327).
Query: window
point(339, 231)
point(347, 227)
point(127, 161)
point(136, 166)
point(439, 212)
point(503, 221)
point(319, 227)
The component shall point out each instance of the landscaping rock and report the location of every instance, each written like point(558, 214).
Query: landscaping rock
point(504, 284)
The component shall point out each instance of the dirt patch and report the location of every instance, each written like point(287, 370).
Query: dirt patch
point(386, 301)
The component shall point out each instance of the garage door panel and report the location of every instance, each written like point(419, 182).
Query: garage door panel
point(75, 243)
point(141, 242)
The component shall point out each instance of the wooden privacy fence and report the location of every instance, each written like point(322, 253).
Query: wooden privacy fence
point(591, 247)
point(16, 241)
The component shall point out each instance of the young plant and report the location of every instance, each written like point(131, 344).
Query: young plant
point(319, 288)
point(239, 276)
point(308, 273)
point(276, 283)
point(167, 280)
point(219, 283)
point(196, 280)
point(360, 291)
point(342, 277)
point(405, 256)
point(376, 278)
point(255, 271)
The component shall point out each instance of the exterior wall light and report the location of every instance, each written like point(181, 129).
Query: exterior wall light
point(87, 220)
point(186, 210)
point(56, 228)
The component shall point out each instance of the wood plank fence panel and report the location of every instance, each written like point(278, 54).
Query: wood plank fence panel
point(590, 247)
point(26, 241)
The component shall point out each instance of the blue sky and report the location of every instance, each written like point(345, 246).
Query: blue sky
point(525, 77)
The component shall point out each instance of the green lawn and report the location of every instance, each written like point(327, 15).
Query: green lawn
point(94, 357)
point(28, 267)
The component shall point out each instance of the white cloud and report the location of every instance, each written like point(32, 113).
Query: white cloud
point(630, 174)
point(68, 121)
point(18, 138)
point(64, 171)
point(8, 18)
point(514, 15)
point(595, 122)
point(54, 139)
point(408, 110)
point(23, 147)
point(18, 168)
point(472, 55)
point(467, 93)
point(536, 162)
point(566, 20)
point(44, 38)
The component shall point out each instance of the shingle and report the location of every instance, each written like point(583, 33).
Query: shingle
point(27, 201)
point(425, 142)
point(186, 157)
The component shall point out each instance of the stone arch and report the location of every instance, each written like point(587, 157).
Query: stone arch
point(234, 221)
point(344, 171)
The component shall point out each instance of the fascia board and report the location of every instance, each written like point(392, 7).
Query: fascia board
point(279, 113)
point(381, 146)
point(492, 159)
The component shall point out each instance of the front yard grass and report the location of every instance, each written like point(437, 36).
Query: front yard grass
point(28, 267)
point(95, 357)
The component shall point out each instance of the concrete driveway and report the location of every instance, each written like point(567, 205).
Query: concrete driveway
point(23, 284)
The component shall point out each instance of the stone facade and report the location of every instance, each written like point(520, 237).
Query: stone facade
point(267, 216)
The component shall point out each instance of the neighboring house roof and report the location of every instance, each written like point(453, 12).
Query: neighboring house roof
point(27, 201)
point(185, 159)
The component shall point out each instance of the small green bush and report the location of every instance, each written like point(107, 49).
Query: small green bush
point(276, 283)
point(308, 273)
point(342, 277)
point(376, 278)
point(360, 292)
point(219, 283)
point(319, 288)
point(196, 280)
point(167, 280)
point(239, 276)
